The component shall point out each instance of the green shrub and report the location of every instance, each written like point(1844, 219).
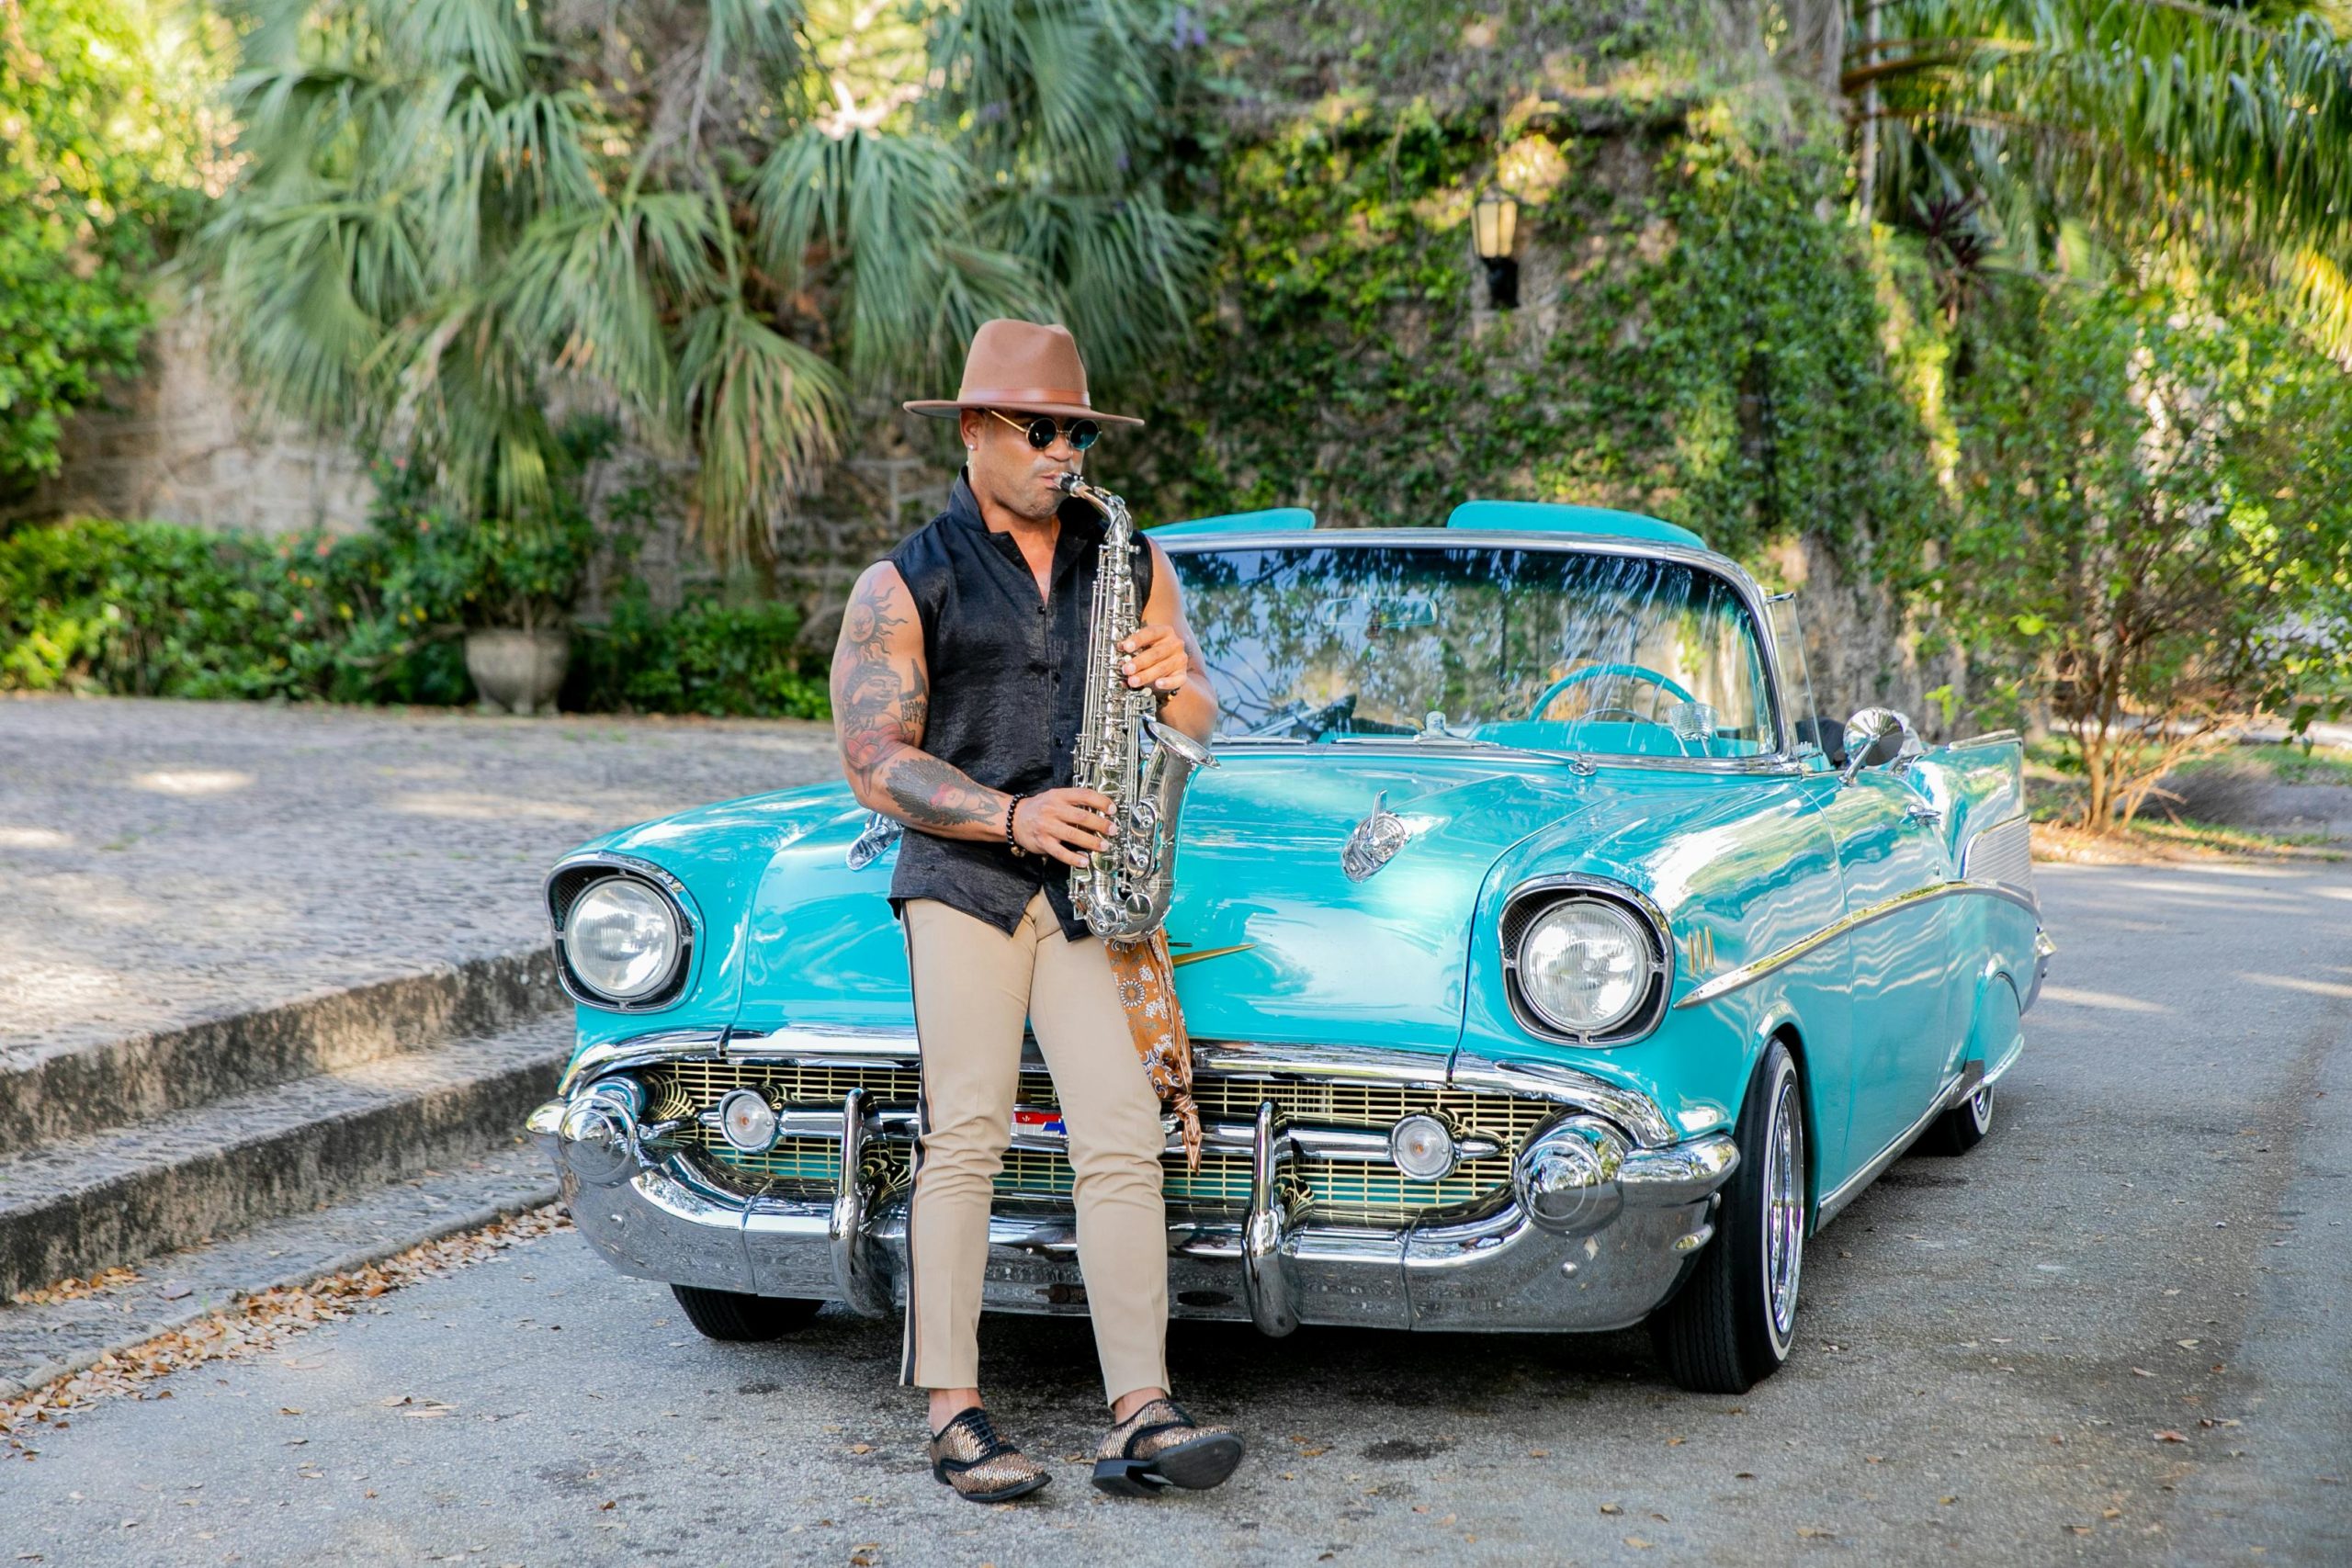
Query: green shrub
point(724, 660)
point(158, 609)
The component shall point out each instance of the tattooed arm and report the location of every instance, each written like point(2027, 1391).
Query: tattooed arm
point(881, 696)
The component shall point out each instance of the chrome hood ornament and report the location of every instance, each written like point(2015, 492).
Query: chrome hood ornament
point(881, 832)
point(1375, 841)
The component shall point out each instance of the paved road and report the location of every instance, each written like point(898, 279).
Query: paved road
point(2165, 1194)
point(361, 844)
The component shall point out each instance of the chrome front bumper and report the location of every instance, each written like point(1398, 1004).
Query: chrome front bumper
point(1630, 1235)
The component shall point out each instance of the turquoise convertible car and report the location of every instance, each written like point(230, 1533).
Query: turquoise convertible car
point(1550, 966)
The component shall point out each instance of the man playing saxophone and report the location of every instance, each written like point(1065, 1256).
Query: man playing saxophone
point(958, 687)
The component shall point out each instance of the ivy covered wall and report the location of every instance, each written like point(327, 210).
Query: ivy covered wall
point(1704, 336)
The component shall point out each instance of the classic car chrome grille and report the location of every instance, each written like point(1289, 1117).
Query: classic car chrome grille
point(1336, 1191)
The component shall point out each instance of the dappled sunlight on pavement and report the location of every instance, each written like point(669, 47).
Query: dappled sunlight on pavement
point(169, 861)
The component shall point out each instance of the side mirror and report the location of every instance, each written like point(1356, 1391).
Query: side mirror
point(1875, 737)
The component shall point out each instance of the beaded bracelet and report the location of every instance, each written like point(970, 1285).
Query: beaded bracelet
point(1010, 807)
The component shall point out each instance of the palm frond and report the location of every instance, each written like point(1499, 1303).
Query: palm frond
point(1124, 267)
point(582, 282)
point(766, 413)
point(890, 219)
point(448, 208)
point(1060, 84)
point(489, 38)
point(2164, 123)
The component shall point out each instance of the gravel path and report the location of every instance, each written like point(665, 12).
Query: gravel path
point(169, 861)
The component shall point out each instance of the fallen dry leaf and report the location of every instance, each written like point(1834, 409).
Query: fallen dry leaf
point(1612, 1507)
point(1637, 1543)
point(2167, 1435)
point(254, 1324)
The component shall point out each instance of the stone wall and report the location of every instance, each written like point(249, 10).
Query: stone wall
point(182, 443)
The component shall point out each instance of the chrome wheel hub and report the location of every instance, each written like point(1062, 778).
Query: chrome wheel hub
point(1980, 1109)
point(1783, 1208)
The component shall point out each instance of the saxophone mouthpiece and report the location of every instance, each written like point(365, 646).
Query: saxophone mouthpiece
point(1067, 482)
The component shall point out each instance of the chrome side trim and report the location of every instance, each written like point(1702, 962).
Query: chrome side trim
point(1851, 1188)
point(1249, 1059)
point(1647, 1014)
point(1748, 973)
point(1990, 738)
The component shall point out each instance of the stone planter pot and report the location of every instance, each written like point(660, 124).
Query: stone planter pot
point(518, 672)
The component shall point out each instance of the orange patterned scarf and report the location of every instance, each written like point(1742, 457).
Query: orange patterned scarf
point(1148, 990)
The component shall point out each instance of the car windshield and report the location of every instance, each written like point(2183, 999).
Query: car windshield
point(1542, 649)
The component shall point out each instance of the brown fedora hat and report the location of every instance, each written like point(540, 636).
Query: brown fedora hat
point(1023, 366)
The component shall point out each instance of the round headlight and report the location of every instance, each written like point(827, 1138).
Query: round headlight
point(747, 1121)
point(1422, 1147)
point(621, 939)
point(1585, 965)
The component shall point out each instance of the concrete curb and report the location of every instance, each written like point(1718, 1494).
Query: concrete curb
point(149, 1328)
point(146, 1076)
point(82, 1204)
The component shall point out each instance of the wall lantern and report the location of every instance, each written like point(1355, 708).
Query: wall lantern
point(1494, 224)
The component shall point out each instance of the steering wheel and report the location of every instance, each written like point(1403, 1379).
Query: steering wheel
point(1593, 672)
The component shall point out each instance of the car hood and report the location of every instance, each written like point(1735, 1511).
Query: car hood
point(1273, 939)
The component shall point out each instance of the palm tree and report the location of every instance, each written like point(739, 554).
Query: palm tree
point(723, 222)
point(2157, 126)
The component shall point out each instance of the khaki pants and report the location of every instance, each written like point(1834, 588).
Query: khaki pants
point(973, 988)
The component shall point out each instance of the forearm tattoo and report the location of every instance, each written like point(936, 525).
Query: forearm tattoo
point(878, 715)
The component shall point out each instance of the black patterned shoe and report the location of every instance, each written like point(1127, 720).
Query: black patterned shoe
point(1159, 1446)
point(967, 1455)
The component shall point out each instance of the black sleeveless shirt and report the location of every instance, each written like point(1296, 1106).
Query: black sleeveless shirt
point(1008, 693)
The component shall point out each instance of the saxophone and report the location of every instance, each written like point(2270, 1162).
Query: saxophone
point(1122, 891)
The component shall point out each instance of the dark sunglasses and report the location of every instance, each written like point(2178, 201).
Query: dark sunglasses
point(1043, 428)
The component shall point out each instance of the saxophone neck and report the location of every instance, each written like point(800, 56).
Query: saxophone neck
point(1103, 501)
